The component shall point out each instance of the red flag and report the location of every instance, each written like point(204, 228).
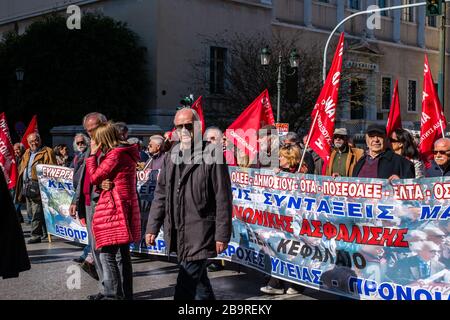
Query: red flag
point(246, 126)
point(322, 128)
point(32, 127)
point(7, 160)
point(197, 106)
point(394, 119)
point(433, 122)
point(4, 126)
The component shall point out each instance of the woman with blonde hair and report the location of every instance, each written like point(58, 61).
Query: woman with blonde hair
point(116, 221)
point(290, 157)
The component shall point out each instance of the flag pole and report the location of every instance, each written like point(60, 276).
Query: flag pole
point(307, 141)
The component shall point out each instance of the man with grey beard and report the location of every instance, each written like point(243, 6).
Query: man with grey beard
point(343, 158)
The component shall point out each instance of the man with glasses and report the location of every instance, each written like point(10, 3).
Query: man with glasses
point(27, 187)
point(380, 161)
point(421, 266)
point(84, 203)
point(343, 158)
point(440, 164)
point(193, 200)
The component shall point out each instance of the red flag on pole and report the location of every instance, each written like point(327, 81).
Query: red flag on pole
point(394, 119)
point(320, 135)
point(32, 127)
point(197, 106)
point(433, 122)
point(4, 126)
point(7, 160)
point(243, 131)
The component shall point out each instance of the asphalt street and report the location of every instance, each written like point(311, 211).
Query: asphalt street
point(54, 276)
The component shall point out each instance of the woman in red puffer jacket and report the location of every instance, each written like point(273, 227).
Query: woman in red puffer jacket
point(116, 221)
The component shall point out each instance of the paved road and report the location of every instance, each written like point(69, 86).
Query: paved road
point(154, 278)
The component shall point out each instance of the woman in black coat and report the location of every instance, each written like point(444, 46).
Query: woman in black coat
point(13, 253)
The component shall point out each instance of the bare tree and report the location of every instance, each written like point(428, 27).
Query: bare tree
point(245, 78)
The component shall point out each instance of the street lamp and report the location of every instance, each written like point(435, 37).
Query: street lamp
point(294, 62)
point(19, 74)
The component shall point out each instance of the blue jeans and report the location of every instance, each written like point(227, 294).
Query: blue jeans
point(193, 282)
point(117, 272)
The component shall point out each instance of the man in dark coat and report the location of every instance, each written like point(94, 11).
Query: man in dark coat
point(14, 256)
point(381, 162)
point(193, 200)
point(440, 166)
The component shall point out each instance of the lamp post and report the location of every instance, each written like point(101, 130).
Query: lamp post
point(294, 61)
point(20, 72)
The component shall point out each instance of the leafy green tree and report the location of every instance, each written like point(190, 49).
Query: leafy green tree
point(68, 73)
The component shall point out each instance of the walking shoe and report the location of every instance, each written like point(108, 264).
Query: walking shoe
point(34, 240)
point(214, 267)
point(97, 296)
point(270, 290)
point(292, 291)
point(89, 268)
point(78, 260)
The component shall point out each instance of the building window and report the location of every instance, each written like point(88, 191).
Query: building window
point(408, 13)
point(266, 1)
point(358, 89)
point(217, 65)
point(386, 96)
point(412, 95)
point(384, 4)
point(324, 1)
point(354, 4)
point(432, 21)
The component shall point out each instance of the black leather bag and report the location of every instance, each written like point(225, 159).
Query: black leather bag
point(31, 189)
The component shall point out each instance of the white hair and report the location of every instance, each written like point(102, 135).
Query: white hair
point(86, 140)
point(421, 245)
point(99, 116)
point(35, 133)
point(158, 139)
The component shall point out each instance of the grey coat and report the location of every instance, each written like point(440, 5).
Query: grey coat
point(204, 206)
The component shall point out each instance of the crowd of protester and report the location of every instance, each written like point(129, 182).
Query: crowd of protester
point(105, 161)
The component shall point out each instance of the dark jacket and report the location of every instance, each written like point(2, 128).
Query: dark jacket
point(79, 198)
point(13, 253)
point(407, 271)
point(204, 204)
point(436, 171)
point(389, 164)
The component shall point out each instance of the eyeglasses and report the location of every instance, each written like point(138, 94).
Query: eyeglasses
point(394, 140)
point(441, 151)
point(338, 136)
point(80, 143)
point(187, 126)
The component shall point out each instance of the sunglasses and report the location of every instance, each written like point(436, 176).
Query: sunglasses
point(79, 143)
point(394, 140)
point(440, 151)
point(187, 126)
point(338, 136)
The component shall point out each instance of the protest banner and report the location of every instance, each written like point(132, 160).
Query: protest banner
point(57, 191)
point(56, 187)
point(146, 184)
point(356, 237)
